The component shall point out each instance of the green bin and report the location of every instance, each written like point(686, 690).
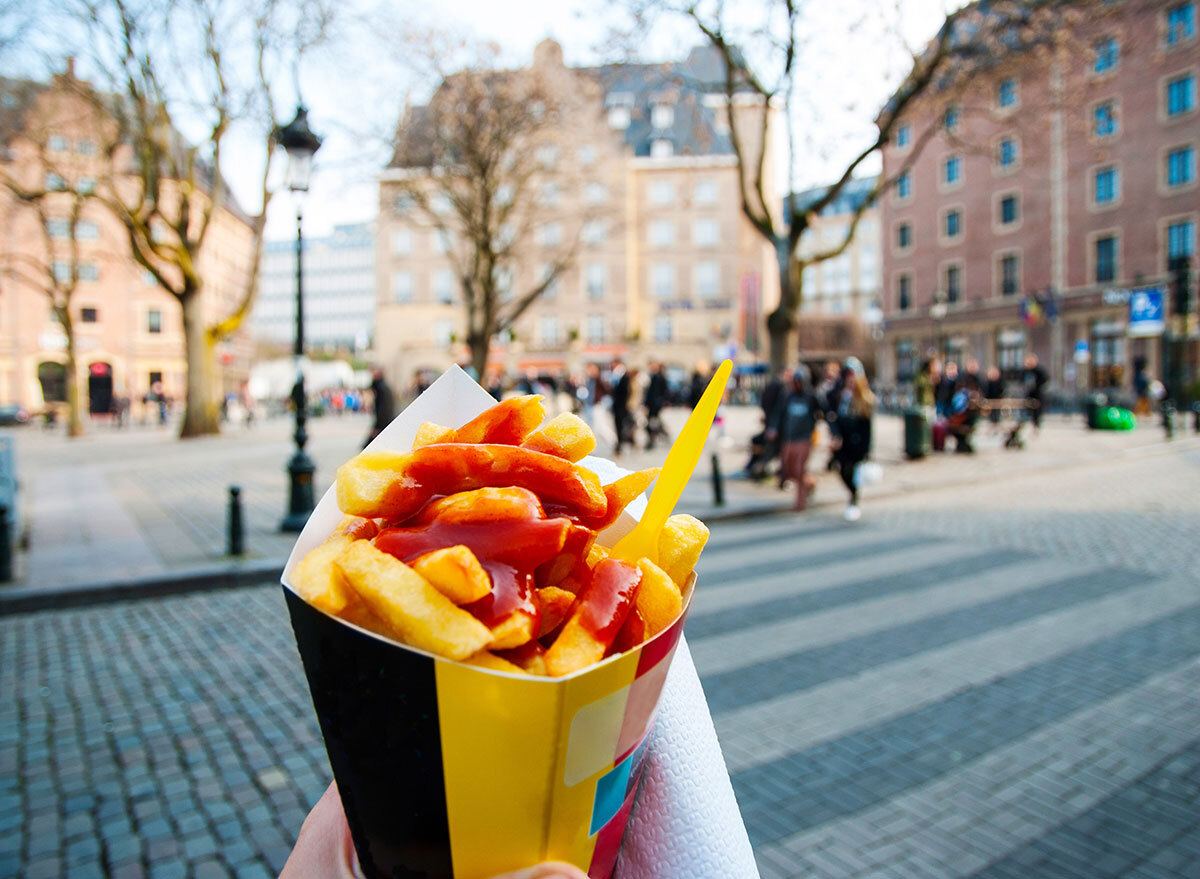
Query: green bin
point(916, 434)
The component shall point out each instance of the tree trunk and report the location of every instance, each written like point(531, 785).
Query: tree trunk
point(74, 420)
point(479, 345)
point(200, 415)
point(781, 323)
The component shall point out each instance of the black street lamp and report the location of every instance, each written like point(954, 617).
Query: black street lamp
point(937, 311)
point(301, 144)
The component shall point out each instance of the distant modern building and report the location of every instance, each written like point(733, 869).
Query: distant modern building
point(1052, 196)
point(642, 167)
point(850, 283)
point(339, 290)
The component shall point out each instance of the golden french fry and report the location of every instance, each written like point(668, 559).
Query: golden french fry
point(487, 659)
point(679, 546)
point(556, 604)
point(429, 433)
point(507, 423)
point(483, 505)
point(514, 630)
point(531, 657)
point(455, 572)
point(361, 615)
point(620, 494)
point(596, 555)
point(357, 527)
point(409, 605)
point(565, 436)
point(658, 598)
point(317, 579)
point(597, 618)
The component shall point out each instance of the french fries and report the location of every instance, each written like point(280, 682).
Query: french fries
point(449, 547)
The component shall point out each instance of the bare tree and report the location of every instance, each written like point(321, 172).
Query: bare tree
point(204, 66)
point(51, 184)
point(477, 162)
point(760, 83)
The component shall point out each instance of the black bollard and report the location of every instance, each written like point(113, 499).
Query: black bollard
point(1168, 418)
point(718, 483)
point(6, 549)
point(237, 536)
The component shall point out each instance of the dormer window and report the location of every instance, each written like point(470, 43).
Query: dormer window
point(662, 116)
point(620, 105)
point(662, 148)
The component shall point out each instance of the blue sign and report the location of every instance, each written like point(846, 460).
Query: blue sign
point(1147, 311)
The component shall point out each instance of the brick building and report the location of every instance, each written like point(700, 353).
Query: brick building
point(128, 331)
point(640, 168)
point(1050, 193)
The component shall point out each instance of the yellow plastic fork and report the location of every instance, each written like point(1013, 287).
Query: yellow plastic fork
point(642, 541)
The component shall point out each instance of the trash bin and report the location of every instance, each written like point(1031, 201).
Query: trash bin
point(1092, 405)
point(916, 434)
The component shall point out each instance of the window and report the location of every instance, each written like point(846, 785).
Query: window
point(1010, 210)
point(661, 149)
point(1106, 258)
point(952, 170)
point(1108, 53)
point(442, 240)
point(662, 192)
point(549, 234)
point(402, 287)
point(1006, 153)
point(88, 315)
point(443, 286)
point(1181, 240)
point(903, 236)
point(708, 278)
point(547, 155)
point(1181, 166)
point(56, 227)
point(504, 194)
point(154, 323)
point(443, 333)
point(86, 185)
point(1181, 23)
point(662, 233)
point(549, 329)
point(86, 230)
point(904, 185)
point(506, 237)
point(950, 119)
point(953, 283)
point(595, 193)
point(402, 204)
point(706, 192)
point(618, 117)
point(1181, 94)
point(1104, 119)
point(595, 329)
point(595, 278)
point(56, 143)
point(903, 136)
point(549, 193)
point(587, 155)
point(1006, 92)
point(662, 280)
point(704, 233)
point(545, 270)
point(440, 203)
point(904, 293)
point(155, 378)
point(593, 233)
point(953, 223)
point(662, 116)
point(1009, 272)
point(1105, 186)
point(55, 182)
point(85, 148)
point(401, 241)
point(662, 328)
point(88, 271)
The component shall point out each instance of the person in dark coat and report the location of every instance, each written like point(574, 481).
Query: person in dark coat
point(772, 399)
point(385, 405)
point(946, 387)
point(655, 399)
point(850, 423)
point(619, 380)
point(1036, 380)
point(698, 384)
point(993, 389)
point(795, 420)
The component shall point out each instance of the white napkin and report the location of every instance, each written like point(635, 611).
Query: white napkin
point(685, 823)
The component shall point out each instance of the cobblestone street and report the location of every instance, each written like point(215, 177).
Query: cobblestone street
point(994, 681)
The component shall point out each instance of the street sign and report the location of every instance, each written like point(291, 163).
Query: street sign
point(1082, 354)
point(1147, 311)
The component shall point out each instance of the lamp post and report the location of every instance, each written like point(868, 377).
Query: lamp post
point(937, 311)
point(301, 144)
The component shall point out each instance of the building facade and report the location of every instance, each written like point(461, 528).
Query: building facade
point(128, 331)
point(641, 172)
point(1051, 196)
point(850, 283)
point(339, 290)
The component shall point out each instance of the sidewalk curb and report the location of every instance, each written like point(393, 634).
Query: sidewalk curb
point(231, 575)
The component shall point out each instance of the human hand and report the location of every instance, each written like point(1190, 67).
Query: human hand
point(325, 850)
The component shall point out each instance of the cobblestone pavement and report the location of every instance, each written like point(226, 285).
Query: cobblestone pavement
point(992, 684)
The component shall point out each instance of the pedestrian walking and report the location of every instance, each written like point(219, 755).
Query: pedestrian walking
point(383, 402)
point(619, 379)
point(993, 389)
point(850, 422)
point(795, 421)
point(772, 399)
point(655, 399)
point(1036, 380)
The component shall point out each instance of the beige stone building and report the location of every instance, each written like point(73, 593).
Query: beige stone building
point(639, 178)
point(129, 333)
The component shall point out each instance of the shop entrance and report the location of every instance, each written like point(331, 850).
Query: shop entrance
point(100, 387)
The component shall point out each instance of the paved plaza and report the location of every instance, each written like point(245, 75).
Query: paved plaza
point(977, 680)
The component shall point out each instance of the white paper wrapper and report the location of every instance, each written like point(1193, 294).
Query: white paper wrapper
point(686, 823)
